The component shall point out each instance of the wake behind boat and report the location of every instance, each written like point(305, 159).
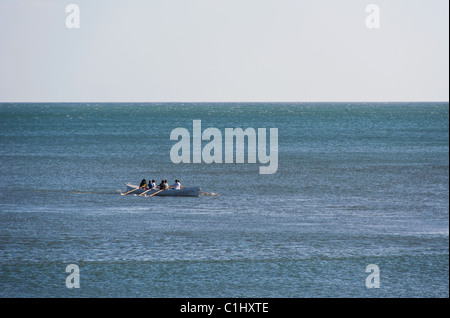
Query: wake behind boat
point(184, 192)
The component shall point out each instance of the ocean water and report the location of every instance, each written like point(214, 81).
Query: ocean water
point(357, 184)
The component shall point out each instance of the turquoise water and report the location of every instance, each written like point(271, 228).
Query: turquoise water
point(356, 184)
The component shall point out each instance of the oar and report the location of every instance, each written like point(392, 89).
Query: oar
point(129, 191)
point(156, 192)
point(145, 192)
point(209, 193)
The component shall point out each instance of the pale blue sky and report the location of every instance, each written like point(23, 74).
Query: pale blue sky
point(224, 50)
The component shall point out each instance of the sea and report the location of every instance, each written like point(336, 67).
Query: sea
point(358, 206)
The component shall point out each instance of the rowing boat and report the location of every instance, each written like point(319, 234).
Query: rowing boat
point(184, 192)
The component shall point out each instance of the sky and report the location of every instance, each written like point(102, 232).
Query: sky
point(224, 51)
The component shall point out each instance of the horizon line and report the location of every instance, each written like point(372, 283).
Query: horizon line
point(213, 102)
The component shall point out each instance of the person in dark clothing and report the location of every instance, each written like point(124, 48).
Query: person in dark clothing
point(163, 185)
point(143, 184)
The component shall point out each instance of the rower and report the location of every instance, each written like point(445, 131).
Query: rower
point(163, 185)
point(143, 184)
point(152, 184)
point(176, 185)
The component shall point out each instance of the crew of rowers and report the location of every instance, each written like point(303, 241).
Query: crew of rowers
point(162, 186)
